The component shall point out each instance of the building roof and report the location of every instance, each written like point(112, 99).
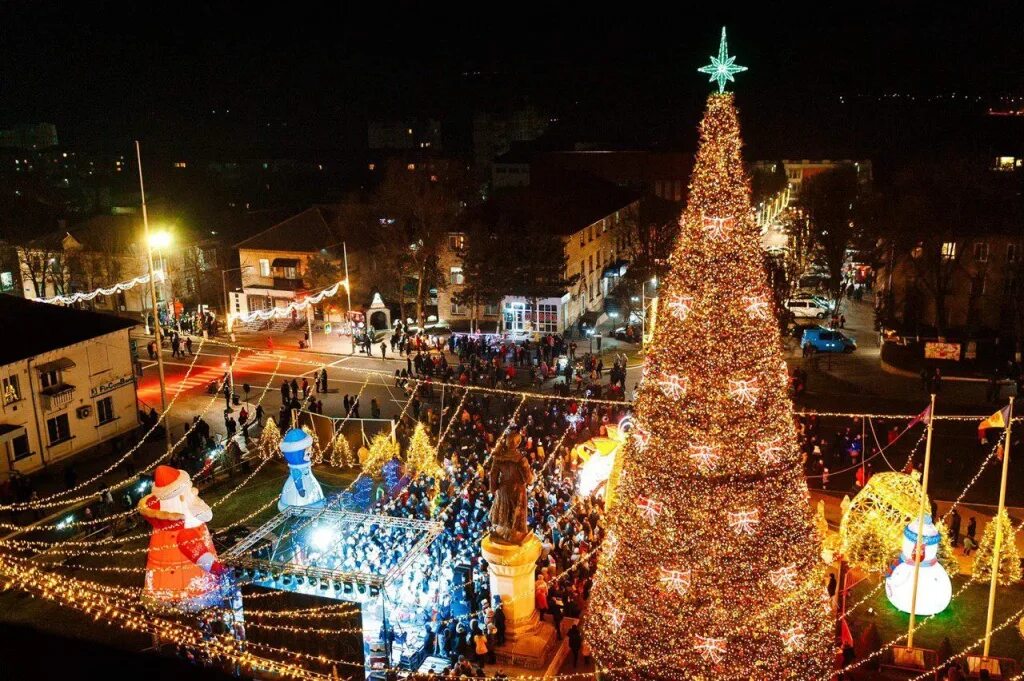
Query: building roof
point(36, 328)
point(306, 232)
point(564, 204)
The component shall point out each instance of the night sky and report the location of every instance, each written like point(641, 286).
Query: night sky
point(105, 72)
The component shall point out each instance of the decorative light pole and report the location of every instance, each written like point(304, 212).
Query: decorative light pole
point(152, 289)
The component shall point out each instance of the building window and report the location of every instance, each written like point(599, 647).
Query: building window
point(19, 447)
point(978, 286)
point(949, 250)
point(49, 378)
point(583, 236)
point(456, 242)
point(546, 319)
point(455, 276)
point(105, 409)
point(591, 259)
point(1010, 285)
point(291, 273)
point(491, 310)
point(264, 267)
point(6, 281)
point(1012, 253)
point(981, 251)
point(12, 389)
point(58, 429)
point(457, 310)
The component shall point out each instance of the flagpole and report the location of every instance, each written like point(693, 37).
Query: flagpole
point(916, 557)
point(997, 545)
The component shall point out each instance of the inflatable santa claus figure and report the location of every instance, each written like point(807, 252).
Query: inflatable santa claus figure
point(182, 569)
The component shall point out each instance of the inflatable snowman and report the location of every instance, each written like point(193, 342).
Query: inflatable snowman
point(301, 488)
point(934, 589)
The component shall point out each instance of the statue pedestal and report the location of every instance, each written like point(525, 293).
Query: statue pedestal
point(528, 641)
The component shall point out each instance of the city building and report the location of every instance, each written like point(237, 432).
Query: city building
point(664, 174)
point(588, 213)
point(29, 136)
point(494, 133)
point(797, 171)
point(273, 264)
point(68, 380)
point(404, 134)
point(978, 279)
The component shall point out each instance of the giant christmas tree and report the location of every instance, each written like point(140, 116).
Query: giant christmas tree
point(711, 567)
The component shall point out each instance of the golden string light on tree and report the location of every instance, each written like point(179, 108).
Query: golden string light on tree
point(738, 524)
point(421, 457)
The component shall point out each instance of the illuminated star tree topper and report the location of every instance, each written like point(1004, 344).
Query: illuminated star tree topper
point(723, 68)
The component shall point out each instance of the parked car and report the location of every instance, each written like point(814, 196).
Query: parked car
point(806, 308)
point(820, 339)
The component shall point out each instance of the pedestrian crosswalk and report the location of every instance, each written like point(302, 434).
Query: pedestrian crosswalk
point(203, 376)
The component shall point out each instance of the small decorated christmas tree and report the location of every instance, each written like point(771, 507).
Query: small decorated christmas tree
point(1009, 557)
point(341, 452)
point(269, 445)
point(945, 554)
point(382, 450)
point(421, 457)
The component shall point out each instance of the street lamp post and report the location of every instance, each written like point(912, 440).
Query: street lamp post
point(643, 308)
point(152, 290)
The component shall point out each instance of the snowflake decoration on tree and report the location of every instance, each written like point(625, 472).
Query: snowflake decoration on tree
point(711, 649)
point(677, 581)
point(784, 374)
point(616, 617)
point(770, 452)
point(745, 522)
point(574, 419)
point(715, 228)
point(793, 638)
point(756, 307)
point(674, 386)
point(681, 306)
point(641, 437)
point(650, 508)
point(705, 456)
point(784, 578)
point(744, 391)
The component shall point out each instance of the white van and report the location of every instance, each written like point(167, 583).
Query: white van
point(806, 308)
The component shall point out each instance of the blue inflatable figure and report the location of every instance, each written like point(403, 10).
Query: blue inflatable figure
point(301, 488)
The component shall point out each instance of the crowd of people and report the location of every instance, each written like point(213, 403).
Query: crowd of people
point(445, 604)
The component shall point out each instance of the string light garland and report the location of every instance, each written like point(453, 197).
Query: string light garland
point(113, 290)
point(733, 523)
point(287, 310)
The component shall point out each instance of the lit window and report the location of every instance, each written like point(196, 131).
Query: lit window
point(372, 166)
point(411, 166)
point(455, 276)
point(456, 242)
point(6, 281)
point(180, 164)
point(12, 389)
point(948, 250)
point(264, 267)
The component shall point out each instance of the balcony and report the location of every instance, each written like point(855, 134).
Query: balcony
point(57, 396)
point(283, 284)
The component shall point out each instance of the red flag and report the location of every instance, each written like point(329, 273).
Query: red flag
point(924, 417)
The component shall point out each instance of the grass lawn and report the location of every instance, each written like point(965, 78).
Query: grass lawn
point(963, 621)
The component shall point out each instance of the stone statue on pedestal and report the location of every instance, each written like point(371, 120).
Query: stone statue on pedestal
point(509, 476)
